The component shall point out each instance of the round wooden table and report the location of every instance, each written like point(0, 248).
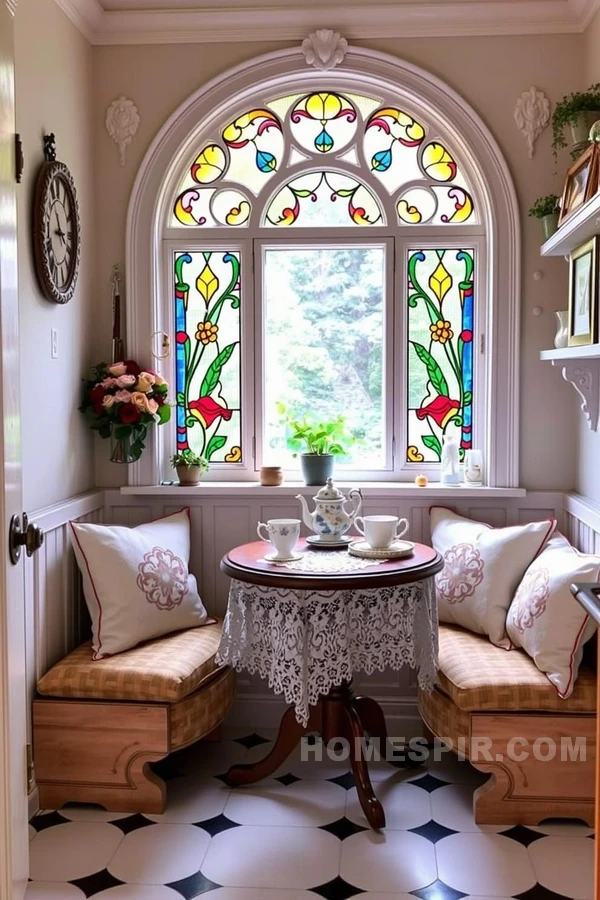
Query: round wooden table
point(338, 713)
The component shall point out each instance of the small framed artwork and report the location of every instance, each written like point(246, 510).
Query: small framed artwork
point(583, 294)
point(581, 183)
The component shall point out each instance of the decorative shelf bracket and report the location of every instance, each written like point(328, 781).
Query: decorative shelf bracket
point(584, 375)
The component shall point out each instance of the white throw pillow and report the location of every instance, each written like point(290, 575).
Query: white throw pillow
point(546, 620)
point(136, 581)
point(482, 569)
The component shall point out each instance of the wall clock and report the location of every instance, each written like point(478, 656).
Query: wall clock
point(56, 227)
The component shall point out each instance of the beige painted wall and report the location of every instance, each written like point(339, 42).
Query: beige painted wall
point(490, 73)
point(54, 93)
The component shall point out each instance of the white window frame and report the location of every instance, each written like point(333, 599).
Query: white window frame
point(149, 283)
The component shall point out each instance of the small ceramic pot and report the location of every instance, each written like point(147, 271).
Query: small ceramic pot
point(549, 225)
point(189, 475)
point(580, 128)
point(271, 476)
point(316, 467)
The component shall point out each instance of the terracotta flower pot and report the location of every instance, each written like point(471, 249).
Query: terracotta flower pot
point(189, 475)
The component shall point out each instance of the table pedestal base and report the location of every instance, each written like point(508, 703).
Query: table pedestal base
point(338, 714)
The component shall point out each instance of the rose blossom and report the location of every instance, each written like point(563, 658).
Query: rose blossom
point(123, 396)
point(139, 400)
point(108, 401)
point(152, 406)
point(109, 382)
point(145, 382)
point(118, 369)
point(125, 381)
point(159, 380)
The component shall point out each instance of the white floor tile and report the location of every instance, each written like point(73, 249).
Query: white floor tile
point(47, 890)
point(159, 854)
point(306, 761)
point(448, 767)
point(377, 895)
point(565, 865)
point(302, 803)
point(257, 856)
point(452, 806)
point(139, 892)
point(73, 850)
point(566, 827)
point(205, 760)
point(486, 864)
point(388, 861)
point(405, 805)
point(193, 800)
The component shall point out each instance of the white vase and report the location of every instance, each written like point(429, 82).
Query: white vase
point(561, 338)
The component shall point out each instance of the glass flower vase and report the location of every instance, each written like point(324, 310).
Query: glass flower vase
point(120, 449)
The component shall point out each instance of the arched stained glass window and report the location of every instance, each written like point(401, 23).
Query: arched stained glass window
point(338, 235)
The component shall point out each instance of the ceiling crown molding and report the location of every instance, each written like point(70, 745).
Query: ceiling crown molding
point(141, 22)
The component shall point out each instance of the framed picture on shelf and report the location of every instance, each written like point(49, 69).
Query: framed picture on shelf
point(581, 182)
point(583, 294)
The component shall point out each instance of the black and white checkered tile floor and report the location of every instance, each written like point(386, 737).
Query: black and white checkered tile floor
point(301, 835)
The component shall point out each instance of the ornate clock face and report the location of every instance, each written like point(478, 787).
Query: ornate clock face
point(56, 232)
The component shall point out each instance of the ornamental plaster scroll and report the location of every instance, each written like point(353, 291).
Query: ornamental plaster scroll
point(324, 49)
point(532, 114)
point(585, 378)
point(122, 123)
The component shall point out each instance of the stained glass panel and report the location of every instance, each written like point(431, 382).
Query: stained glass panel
point(440, 351)
point(323, 122)
point(206, 206)
point(324, 198)
point(207, 328)
point(435, 205)
point(255, 143)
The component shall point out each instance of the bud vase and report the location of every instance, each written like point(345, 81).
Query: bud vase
point(561, 338)
point(120, 449)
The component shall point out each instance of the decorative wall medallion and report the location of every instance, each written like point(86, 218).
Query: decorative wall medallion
point(122, 123)
point(532, 114)
point(324, 49)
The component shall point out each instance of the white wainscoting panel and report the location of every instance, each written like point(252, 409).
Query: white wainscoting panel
point(582, 523)
point(222, 522)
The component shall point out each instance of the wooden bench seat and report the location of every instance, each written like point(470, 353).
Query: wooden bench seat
point(488, 698)
point(98, 724)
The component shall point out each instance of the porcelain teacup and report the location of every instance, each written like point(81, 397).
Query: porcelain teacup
point(381, 531)
point(282, 533)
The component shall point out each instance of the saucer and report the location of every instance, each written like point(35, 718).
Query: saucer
point(273, 558)
point(317, 542)
point(396, 550)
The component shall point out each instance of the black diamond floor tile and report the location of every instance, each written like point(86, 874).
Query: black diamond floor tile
point(216, 825)
point(99, 881)
point(522, 835)
point(288, 779)
point(346, 780)
point(342, 828)
point(193, 886)
point(132, 823)
point(539, 892)
point(437, 890)
point(429, 783)
point(432, 831)
point(338, 889)
point(251, 740)
point(48, 820)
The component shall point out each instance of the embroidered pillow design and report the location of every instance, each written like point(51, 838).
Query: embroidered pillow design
point(163, 578)
point(462, 572)
point(531, 598)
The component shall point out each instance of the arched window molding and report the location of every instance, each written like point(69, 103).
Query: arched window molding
point(362, 71)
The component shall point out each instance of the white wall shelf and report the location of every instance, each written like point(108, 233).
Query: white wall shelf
point(578, 228)
point(580, 367)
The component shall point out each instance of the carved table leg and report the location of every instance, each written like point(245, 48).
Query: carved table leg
point(290, 732)
point(373, 721)
point(371, 806)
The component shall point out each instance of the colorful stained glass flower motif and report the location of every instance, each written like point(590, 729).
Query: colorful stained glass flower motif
point(324, 198)
point(323, 122)
point(391, 140)
point(255, 142)
point(440, 357)
point(210, 207)
point(207, 327)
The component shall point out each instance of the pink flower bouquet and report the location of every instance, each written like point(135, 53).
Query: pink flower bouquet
point(123, 400)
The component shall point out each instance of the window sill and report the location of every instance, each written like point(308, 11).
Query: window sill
point(434, 490)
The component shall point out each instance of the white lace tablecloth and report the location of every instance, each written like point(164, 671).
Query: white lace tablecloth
point(306, 642)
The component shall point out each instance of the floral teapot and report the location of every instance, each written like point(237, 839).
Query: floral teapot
point(329, 519)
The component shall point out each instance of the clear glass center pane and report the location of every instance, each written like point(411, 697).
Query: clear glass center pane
point(324, 348)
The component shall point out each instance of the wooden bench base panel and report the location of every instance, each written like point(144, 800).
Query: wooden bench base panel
point(95, 752)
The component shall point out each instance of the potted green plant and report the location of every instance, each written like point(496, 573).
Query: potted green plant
point(546, 209)
point(317, 443)
point(578, 111)
point(190, 468)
